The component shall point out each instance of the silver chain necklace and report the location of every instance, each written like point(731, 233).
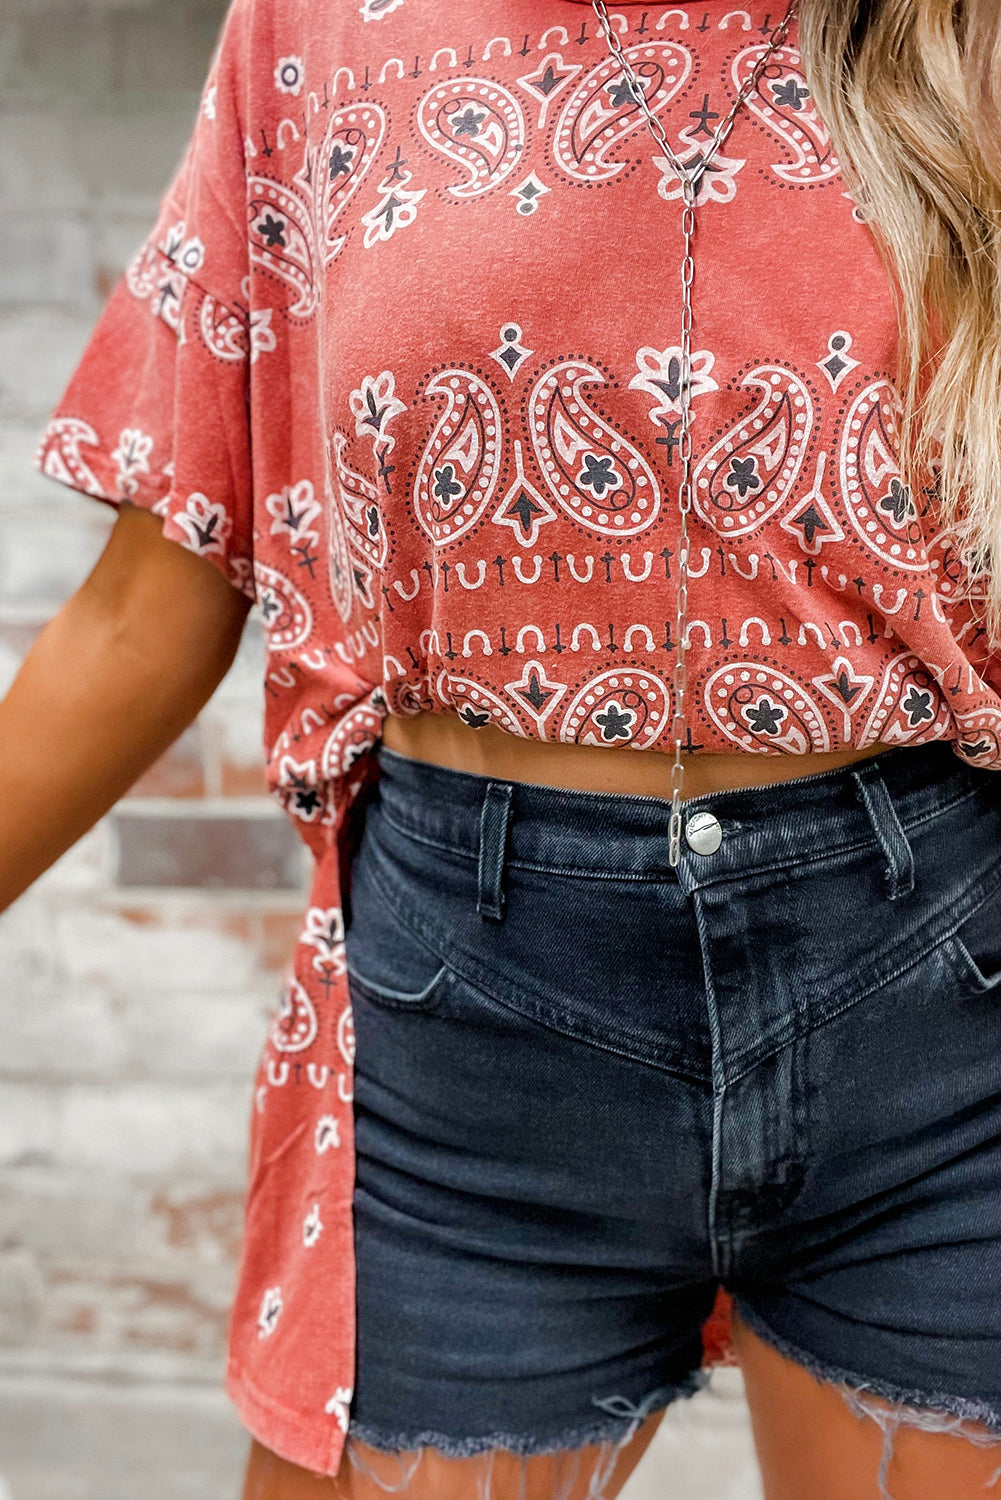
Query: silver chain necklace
point(690, 183)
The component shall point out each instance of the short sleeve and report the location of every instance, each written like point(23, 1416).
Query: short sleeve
point(157, 410)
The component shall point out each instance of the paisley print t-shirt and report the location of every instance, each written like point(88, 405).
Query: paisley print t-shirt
point(400, 358)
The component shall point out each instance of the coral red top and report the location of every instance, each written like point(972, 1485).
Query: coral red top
point(400, 359)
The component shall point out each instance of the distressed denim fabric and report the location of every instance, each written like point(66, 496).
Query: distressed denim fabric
point(591, 1089)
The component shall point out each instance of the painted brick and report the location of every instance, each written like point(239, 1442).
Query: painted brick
point(278, 933)
point(173, 1225)
point(45, 259)
point(73, 1034)
point(148, 947)
point(22, 488)
point(21, 1296)
point(211, 852)
point(139, 1127)
point(178, 773)
point(82, 870)
point(102, 1215)
point(34, 170)
point(35, 49)
point(90, 1032)
point(202, 1225)
point(95, 1439)
point(39, 348)
point(44, 559)
point(140, 1308)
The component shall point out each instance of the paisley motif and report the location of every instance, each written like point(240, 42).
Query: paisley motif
point(144, 271)
point(458, 473)
point(225, 335)
point(293, 229)
point(59, 454)
point(595, 475)
point(881, 506)
point(287, 616)
point(360, 507)
point(477, 124)
point(351, 144)
point(477, 706)
point(346, 1036)
point(751, 471)
point(295, 1026)
point(622, 706)
point(281, 240)
point(979, 735)
point(338, 560)
point(407, 698)
point(763, 709)
point(355, 734)
point(601, 112)
point(910, 705)
point(783, 101)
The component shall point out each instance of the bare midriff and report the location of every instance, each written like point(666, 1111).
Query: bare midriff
point(444, 740)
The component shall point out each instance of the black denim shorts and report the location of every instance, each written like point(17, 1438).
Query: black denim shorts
point(591, 1088)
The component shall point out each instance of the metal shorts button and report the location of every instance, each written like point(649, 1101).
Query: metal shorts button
point(703, 833)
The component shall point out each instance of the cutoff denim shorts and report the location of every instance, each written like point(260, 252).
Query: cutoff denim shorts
point(591, 1088)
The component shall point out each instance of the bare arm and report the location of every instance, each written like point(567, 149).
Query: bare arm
point(114, 678)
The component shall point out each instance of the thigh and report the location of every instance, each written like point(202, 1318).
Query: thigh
point(424, 1474)
point(809, 1440)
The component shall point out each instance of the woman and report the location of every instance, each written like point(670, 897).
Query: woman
point(538, 372)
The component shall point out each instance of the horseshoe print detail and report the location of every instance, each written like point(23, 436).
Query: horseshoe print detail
point(881, 506)
point(477, 124)
point(752, 470)
point(592, 472)
point(458, 473)
point(624, 706)
point(601, 112)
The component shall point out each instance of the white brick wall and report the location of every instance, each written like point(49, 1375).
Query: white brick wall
point(131, 1018)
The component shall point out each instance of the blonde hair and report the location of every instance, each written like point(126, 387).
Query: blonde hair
point(911, 90)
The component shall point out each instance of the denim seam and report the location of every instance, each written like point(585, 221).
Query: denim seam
point(559, 1021)
point(466, 968)
point(791, 1033)
point(656, 877)
point(830, 853)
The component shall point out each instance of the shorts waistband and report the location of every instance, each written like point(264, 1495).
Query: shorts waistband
point(615, 835)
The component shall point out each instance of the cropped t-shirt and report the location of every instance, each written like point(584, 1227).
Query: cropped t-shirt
point(400, 358)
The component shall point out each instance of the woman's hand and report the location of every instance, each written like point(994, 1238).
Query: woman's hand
point(113, 679)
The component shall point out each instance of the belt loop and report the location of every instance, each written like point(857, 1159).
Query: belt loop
point(872, 791)
point(494, 821)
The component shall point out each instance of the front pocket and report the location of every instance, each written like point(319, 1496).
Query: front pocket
point(976, 945)
point(381, 994)
point(388, 964)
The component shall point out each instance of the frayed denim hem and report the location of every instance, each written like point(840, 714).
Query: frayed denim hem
point(931, 1411)
point(610, 1435)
